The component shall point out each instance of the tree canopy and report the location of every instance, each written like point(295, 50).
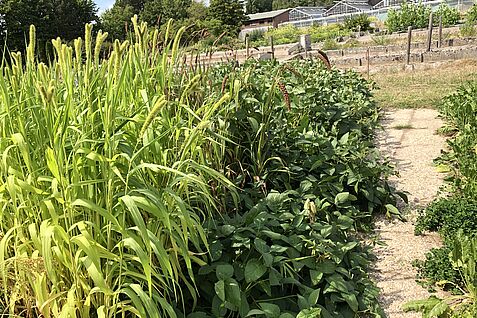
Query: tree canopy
point(222, 15)
point(52, 18)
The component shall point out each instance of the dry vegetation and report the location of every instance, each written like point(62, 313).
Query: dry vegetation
point(422, 88)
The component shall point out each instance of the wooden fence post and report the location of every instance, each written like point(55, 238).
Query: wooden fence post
point(272, 47)
point(247, 47)
point(429, 35)
point(440, 32)
point(367, 61)
point(408, 51)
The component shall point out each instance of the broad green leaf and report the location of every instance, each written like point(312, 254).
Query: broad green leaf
point(224, 271)
point(309, 313)
point(254, 270)
point(232, 292)
point(255, 312)
point(270, 310)
point(220, 289)
point(316, 277)
point(313, 297)
point(351, 300)
point(344, 197)
point(391, 209)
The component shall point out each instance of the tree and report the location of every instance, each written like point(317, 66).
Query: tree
point(163, 10)
point(71, 17)
point(230, 13)
point(255, 6)
point(136, 5)
point(52, 18)
point(117, 21)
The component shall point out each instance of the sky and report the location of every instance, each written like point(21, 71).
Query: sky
point(104, 4)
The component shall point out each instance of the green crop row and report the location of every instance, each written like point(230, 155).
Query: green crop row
point(137, 185)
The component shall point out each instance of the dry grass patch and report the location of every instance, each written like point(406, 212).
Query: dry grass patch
point(422, 88)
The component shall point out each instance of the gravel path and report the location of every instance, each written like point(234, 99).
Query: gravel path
point(409, 139)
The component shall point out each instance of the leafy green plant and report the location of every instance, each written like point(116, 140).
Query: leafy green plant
point(464, 259)
point(468, 29)
point(330, 44)
point(437, 271)
point(297, 205)
point(381, 40)
point(471, 15)
point(283, 257)
point(359, 22)
point(417, 16)
point(449, 215)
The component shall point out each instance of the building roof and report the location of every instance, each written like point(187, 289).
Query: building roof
point(359, 5)
point(266, 15)
point(310, 10)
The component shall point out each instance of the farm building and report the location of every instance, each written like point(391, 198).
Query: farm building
point(306, 13)
point(271, 18)
point(349, 6)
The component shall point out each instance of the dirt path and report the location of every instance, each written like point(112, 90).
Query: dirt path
point(409, 139)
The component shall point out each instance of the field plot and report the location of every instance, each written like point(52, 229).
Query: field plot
point(422, 88)
point(138, 186)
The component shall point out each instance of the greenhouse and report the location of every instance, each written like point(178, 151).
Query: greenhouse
point(306, 13)
point(346, 6)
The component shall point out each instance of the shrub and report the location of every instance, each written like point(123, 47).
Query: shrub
point(468, 29)
point(381, 40)
point(325, 32)
point(471, 15)
point(417, 16)
point(284, 34)
point(437, 269)
point(330, 44)
point(449, 216)
point(410, 14)
point(450, 16)
point(360, 22)
point(256, 35)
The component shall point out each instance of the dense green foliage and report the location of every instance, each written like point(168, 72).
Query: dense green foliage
point(229, 13)
point(137, 186)
point(306, 188)
point(359, 22)
point(417, 16)
point(448, 215)
point(52, 18)
point(208, 23)
point(471, 15)
point(437, 270)
point(255, 6)
point(455, 264)
point(291, 34)
point(463, 259)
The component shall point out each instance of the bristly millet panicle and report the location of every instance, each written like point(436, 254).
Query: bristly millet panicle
point(285, 94)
